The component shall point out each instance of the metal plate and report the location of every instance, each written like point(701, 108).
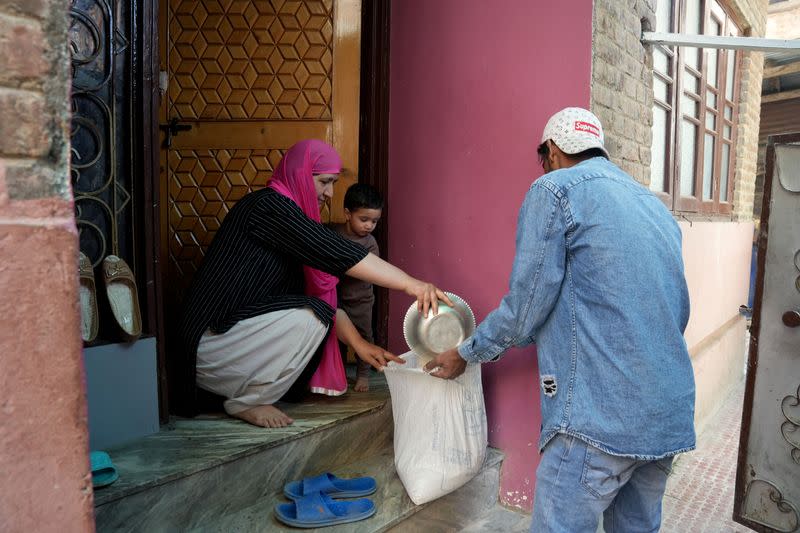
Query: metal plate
point(438, 333)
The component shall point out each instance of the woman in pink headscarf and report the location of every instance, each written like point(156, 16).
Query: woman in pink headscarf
point(260, 321)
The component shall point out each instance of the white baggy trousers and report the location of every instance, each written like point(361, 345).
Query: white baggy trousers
point(257, 360)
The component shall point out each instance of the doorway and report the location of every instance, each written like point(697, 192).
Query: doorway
point(240, 82)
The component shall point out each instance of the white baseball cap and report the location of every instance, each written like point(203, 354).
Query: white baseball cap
point(575, 130)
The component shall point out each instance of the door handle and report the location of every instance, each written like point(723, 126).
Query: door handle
point(173, 128)
point(791, 319)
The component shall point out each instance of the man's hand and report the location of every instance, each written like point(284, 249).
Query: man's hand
point(427, 295)
point(376, 356)
point(450, 365)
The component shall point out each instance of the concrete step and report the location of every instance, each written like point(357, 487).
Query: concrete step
point(461, 507)
point(499, 519)
point(218, 474)
point(395, 510)
point(196, 470)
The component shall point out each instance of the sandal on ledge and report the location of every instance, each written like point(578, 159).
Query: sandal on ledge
point(320, 510)
point(122, 295)
point(104, 472)
point(90, 321)
point(331, 485)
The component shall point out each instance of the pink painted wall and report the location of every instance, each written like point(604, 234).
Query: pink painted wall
point(716, 258)
point(45, 482)
point(44, 441)
point(472, 85)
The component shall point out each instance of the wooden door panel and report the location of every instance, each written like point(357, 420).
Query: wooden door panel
point(250, 79)
point(250, 134)
point(238, 60)
point(204, 185)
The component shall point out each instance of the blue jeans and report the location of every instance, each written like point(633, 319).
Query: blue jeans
point(576, 483)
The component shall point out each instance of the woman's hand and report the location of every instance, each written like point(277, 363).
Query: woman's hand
point(427, 295)
point(366, 351)
point(375, 270)
point(375, 355)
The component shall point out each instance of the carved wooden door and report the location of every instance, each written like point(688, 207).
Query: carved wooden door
point(241, 82)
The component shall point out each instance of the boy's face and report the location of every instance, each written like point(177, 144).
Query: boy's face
point(362, 221)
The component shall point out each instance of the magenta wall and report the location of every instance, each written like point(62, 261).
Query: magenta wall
point(472, 85)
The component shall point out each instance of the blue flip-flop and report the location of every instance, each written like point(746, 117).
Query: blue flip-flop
point(331, 485)
point(104, 472)
point(320, 510)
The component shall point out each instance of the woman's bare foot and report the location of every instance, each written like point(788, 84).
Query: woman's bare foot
point(362, 384)
point(267, 416)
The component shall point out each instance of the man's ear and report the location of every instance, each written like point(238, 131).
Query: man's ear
point(554, 155)
point(346, 213)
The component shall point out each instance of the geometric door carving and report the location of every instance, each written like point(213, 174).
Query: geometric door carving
point(245, 81)
point(203, 186)
point(241, 59)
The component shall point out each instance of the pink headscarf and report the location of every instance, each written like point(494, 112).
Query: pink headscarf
point(294, 179)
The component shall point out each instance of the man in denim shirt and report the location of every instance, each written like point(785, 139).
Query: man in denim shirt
point(598, 285)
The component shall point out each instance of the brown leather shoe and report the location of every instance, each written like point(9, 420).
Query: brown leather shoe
point(123, 296)
point(90, 319)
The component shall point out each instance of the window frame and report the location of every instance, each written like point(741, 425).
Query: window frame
point(682, 72)
point(671, 145)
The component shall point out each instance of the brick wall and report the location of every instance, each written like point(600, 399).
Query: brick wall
point(45, 483)
point(752, 16)
point(779, 117)
point(622, 89)
point(622, 86)
point(782, 22)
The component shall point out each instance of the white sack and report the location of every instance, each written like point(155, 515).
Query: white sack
point(439, 428)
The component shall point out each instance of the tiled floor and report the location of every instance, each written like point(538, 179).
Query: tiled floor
point(699, 496)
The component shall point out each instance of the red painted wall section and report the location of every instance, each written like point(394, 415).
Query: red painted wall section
point(472, 85)
point(44, 442)
point(45, 480)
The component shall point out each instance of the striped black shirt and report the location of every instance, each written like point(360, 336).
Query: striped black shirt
point(254, 266)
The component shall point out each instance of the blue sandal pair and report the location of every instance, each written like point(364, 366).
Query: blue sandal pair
point(313, 502)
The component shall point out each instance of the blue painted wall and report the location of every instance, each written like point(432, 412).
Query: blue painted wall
point(122, 389)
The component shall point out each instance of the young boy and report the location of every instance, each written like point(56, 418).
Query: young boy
point(362, 211)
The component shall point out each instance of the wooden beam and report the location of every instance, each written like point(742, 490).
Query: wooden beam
point(776, 97)
point(782, 70)
point(718, 41)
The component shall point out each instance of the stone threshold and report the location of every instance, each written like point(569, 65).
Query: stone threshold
point(186, 446)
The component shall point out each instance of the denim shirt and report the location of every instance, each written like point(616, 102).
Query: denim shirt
point(598, 285)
